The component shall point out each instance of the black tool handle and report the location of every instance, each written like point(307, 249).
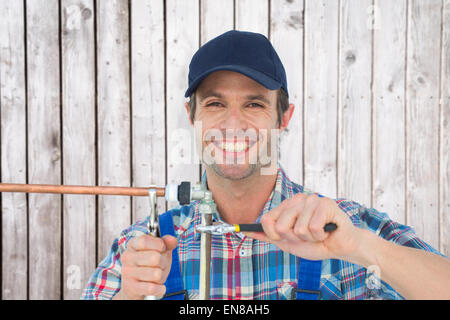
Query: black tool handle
point(330, 227)
point(257, 227)
point(184, 193)
point(251, 227)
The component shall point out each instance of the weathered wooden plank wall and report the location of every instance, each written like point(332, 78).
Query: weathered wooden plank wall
point(92, 92)
point(78, 138)
point(13, 150)
point(43, 147)
point(388, 111)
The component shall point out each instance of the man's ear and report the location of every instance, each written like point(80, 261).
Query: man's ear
point(188, 110)
point(287, 115)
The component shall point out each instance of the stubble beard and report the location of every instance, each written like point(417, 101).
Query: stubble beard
point(234, 172)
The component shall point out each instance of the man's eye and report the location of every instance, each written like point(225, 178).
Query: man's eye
point(214, 104)
point(255, 105)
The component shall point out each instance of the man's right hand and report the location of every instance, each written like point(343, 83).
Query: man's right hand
point(145, 266)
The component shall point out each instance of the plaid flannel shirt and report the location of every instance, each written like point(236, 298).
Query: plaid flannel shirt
point(244, 268)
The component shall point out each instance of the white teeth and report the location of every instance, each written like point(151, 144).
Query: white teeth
point(233, 147)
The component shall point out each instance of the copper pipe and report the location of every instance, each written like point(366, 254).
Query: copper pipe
point(70, 189)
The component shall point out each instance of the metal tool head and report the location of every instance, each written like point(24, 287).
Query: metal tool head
point(153, 221)
point(217, 229)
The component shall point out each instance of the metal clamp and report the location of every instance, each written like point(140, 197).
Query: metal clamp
point(153, 223)
point(206, 207)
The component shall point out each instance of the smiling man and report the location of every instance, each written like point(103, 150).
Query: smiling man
point(238, 92)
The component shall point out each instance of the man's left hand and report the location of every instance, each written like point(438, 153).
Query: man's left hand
point(297, 226)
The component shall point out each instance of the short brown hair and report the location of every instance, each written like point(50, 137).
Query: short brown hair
point(282, 105)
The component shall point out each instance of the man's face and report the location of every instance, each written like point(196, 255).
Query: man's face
point(238, 117)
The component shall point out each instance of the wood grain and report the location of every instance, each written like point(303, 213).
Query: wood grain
point(444, 151)
point(113, 127)
point(148, 108)
point(354, 116)
point(44, 147)
point(252, 15)
point(13, 148)
point(389, 69)
point(217, 17)
point(321, 90)
point(79, 155)
point(422, 118)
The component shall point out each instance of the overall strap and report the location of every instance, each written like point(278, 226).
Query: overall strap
point(174, 283)
point(308, 277)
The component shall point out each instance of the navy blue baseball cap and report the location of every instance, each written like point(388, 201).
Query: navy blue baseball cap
point(248, 53)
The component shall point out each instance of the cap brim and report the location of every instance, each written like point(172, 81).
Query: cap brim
point(257, 76)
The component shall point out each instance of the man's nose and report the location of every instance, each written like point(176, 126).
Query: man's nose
point(234, 119)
